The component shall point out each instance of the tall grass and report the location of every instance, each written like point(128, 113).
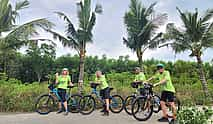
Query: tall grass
point(18, 97)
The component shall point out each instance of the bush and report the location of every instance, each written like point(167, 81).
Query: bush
point(16, 96)
point(3, 76)
point(20, 97)
point(194, 115)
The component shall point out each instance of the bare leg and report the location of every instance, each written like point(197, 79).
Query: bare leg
point(163, 107)
point(174, 111)
point(107, 104)
point(65, 106)
point(59, 106)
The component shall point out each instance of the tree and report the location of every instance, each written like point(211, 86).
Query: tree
point(41, 57)
point(78, 39)
point(141, 28)
point(196, 36)
point(16, 35)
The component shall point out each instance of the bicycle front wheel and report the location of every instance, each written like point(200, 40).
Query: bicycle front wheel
point(44, 104)
point(73, 103)
point(142, 109)
point(87, 105)
point(116, 104)
point(128, 104)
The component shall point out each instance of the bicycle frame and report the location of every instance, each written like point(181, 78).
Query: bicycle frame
point(97, 94)
point(55, 92)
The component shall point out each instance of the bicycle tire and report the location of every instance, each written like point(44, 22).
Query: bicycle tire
point(128, 104)
point(116, 107)
point(49, 99)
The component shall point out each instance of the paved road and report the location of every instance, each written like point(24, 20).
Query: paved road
point(53, 118)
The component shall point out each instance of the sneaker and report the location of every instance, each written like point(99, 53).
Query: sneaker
point(173, 121)
point(106, 113)
point(103, 110)
point(59, 111)
point(66, 113)
point(163, 119)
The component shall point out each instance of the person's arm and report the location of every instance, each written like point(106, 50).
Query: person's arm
point(149, 79)
point(70, 82)
point(164, 80)
point(56, 78)
point(96, 81)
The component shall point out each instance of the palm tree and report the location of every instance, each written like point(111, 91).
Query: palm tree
point(77, 39)
point(195, 36)
point(141, 28)
point(16, 35)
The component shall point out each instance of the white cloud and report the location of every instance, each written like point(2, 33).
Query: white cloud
point(109, 30)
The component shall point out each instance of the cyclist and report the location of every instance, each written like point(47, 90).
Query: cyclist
point(62, 82)
point(105, 90)
point(168, 91)
point(139, 75)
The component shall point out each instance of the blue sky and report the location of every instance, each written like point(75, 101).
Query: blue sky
point(110, 29)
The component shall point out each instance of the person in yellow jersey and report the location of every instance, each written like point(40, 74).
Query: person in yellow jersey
point(105, 90)
point(63, 81)
point(167, 91)
point(139, 75)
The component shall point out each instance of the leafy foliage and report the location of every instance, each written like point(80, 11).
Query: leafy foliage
point(195, 115)
point(141, 28)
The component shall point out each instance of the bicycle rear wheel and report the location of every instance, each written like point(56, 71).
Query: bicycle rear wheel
point(116, 104)
point(128, 104)
point(142, 109)
point(44, 104)
point(73, 103)
point(87, 105)
point(156, 104)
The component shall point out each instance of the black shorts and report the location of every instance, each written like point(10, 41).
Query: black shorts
point(62, 94)
point(105, 93)
point(167, 96)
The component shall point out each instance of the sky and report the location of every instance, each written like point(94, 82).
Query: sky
point(109, 29)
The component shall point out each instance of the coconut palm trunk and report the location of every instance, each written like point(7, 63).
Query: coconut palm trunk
point(81, 71)
point(140, 58)
point(202, 76)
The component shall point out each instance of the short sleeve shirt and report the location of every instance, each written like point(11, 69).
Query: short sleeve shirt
point(63, 81)
point(140, 77)
point(168, 86)
point(103, 82)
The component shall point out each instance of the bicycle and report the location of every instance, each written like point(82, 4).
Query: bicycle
point(88, 102)
point(130, 99)
point(146, 102)
point(47, 102)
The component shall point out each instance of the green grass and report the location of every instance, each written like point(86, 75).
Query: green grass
point(18, 97)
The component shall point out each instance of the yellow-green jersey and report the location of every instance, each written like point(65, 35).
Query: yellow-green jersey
point(102, 81)
point(63, 81)
point(168, 86)
point(140, 77)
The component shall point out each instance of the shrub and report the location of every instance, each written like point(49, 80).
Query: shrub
point(194, 115)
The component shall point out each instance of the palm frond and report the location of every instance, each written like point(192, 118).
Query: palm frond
point(70, 31)
point(22, 5)
point(66, 41)
point(150, 9)
point(91, 24)
point(160, 19)
point(29, 29)
point(156, 41)
point(207, 16)
point(6, 17)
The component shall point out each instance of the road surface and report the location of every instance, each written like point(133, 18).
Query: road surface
point(94, 118)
